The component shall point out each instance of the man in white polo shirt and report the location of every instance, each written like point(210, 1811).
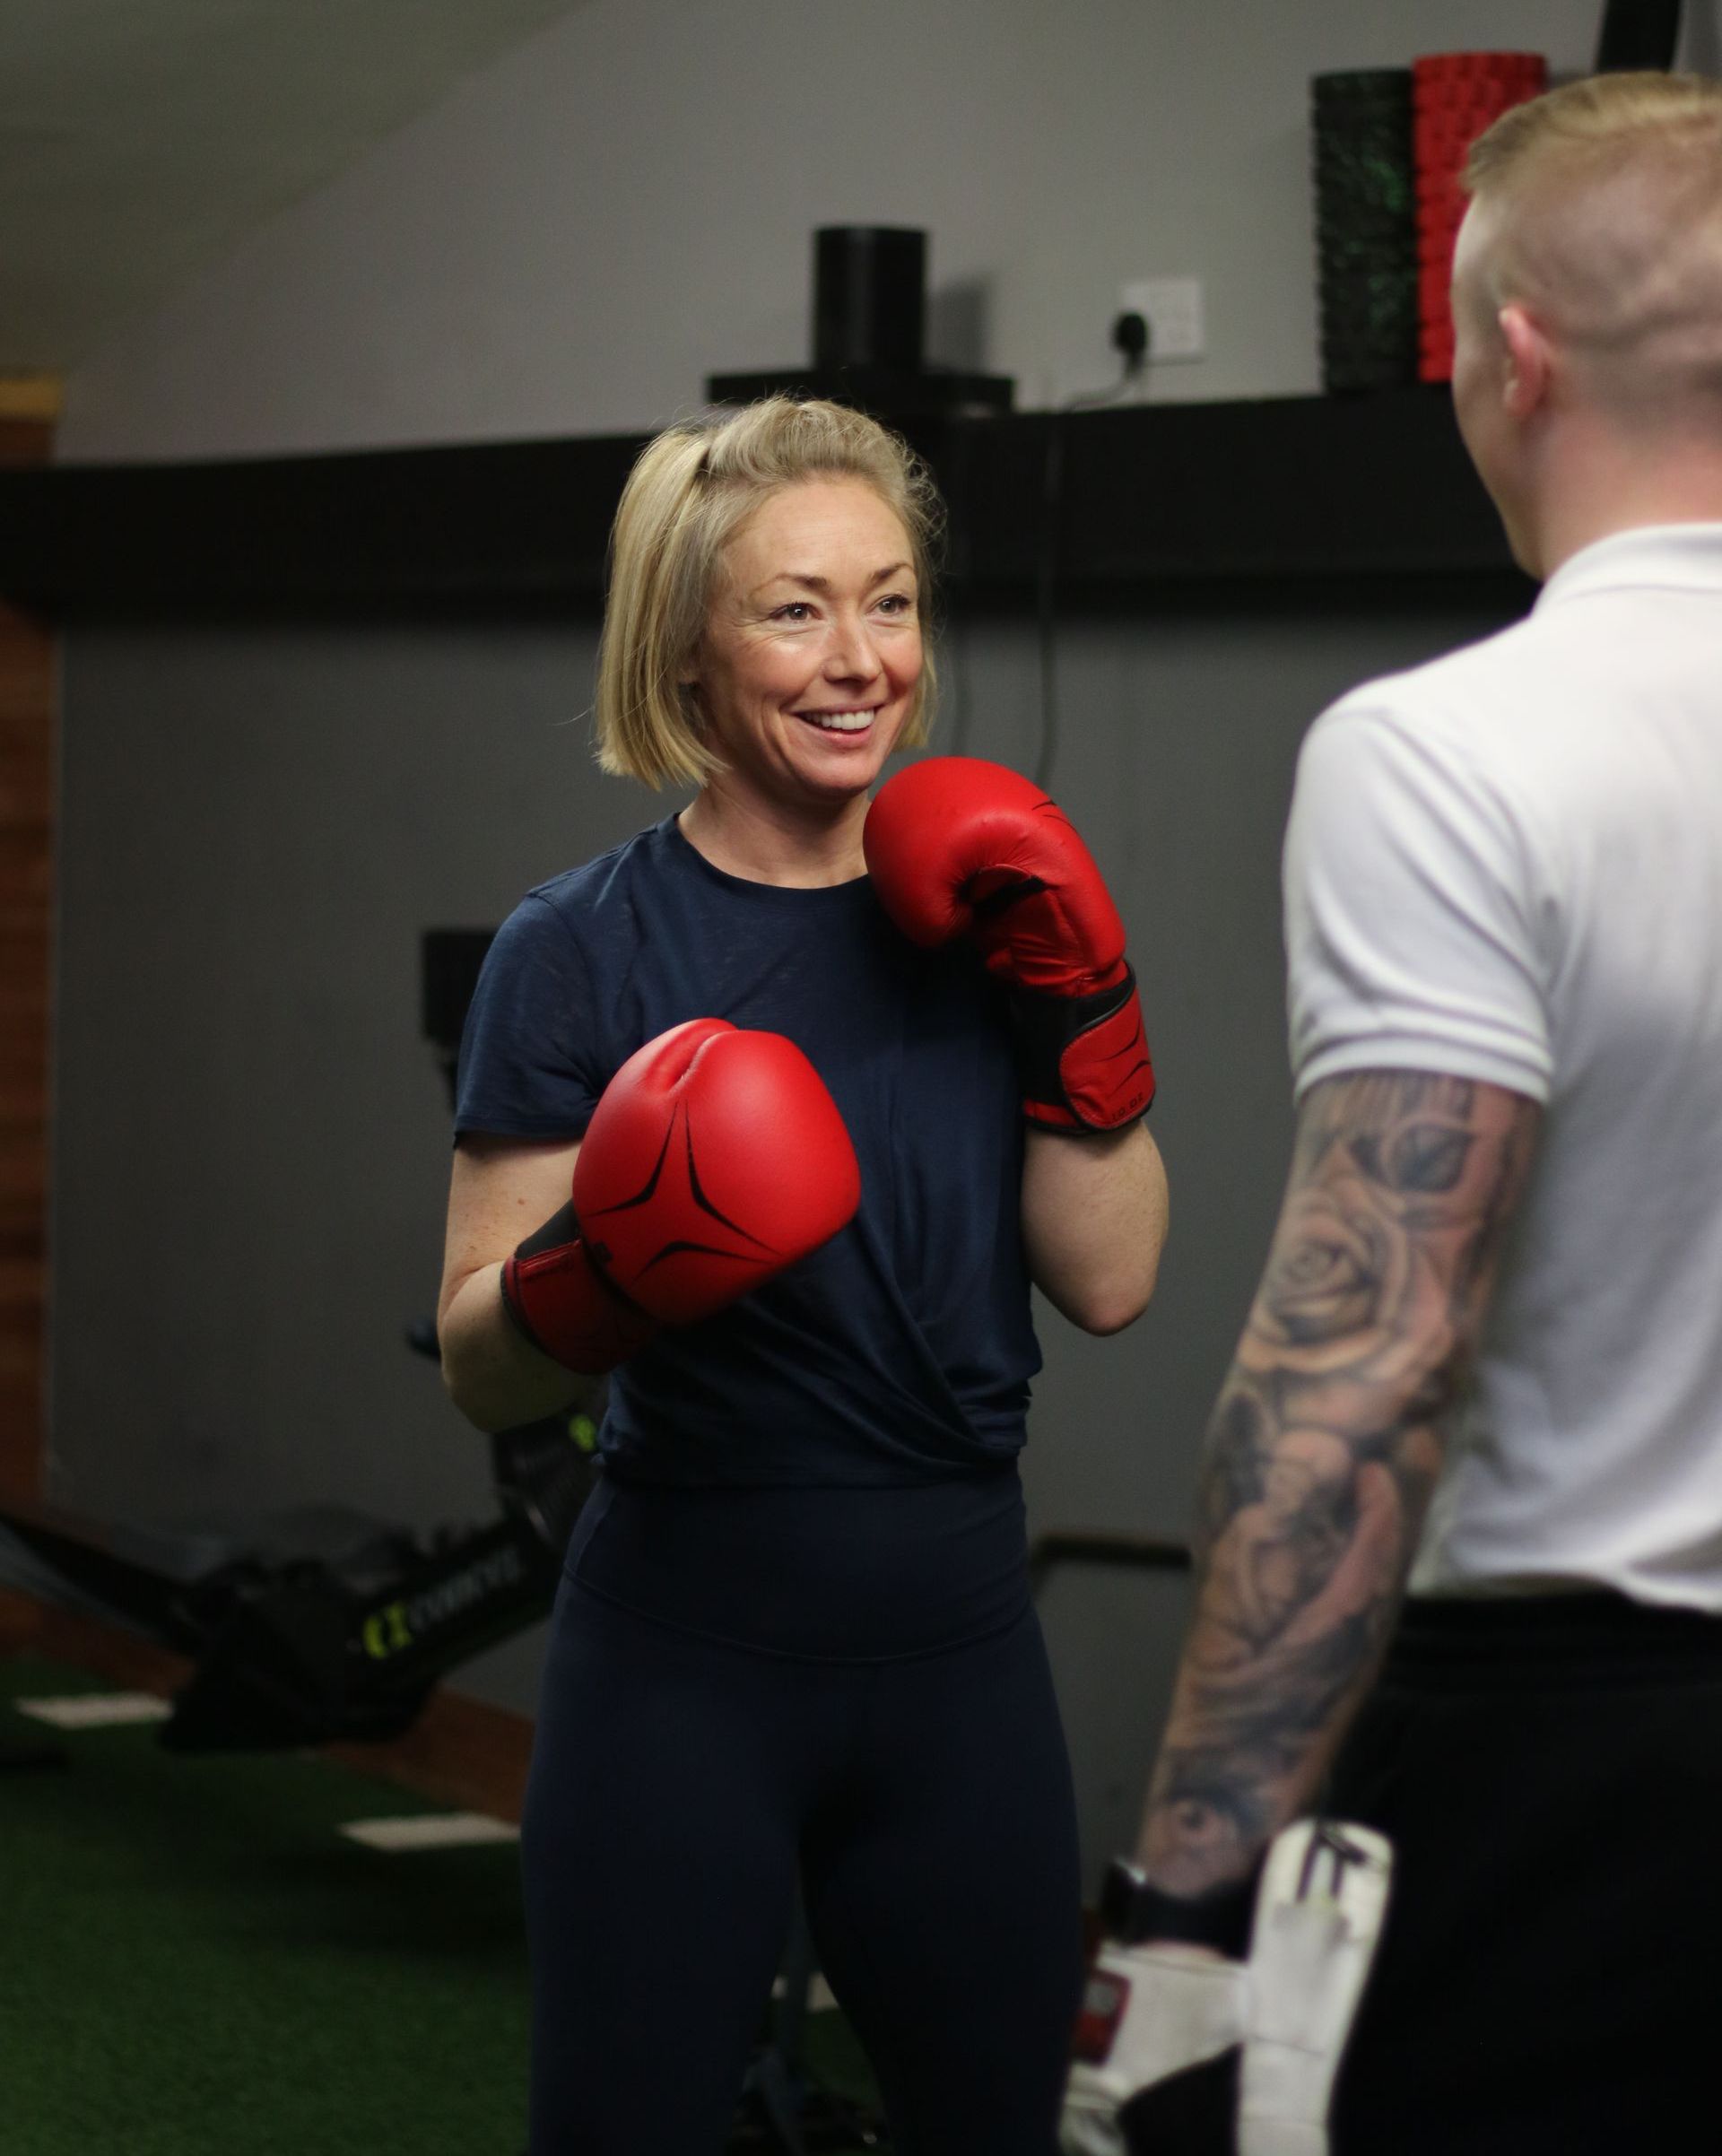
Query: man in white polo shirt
point(1485, 1358)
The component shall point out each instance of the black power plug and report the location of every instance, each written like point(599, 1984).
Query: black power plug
point(1130, 336)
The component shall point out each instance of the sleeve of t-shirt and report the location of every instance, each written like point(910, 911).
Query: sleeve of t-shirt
point(531, 1062)
point(1409, 921)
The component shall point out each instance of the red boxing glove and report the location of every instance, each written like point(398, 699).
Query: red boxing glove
point(715, 1160)
point(956, 847)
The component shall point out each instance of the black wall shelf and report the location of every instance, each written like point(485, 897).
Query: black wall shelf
point(1332, 498)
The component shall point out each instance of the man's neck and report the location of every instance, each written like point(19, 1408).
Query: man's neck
point(1618, 485)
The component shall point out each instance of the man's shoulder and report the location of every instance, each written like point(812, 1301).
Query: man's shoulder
point(1461, 693)
point(1468, 740)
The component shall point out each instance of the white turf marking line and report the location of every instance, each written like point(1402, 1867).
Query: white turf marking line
point(436, 1831)
point(97, 1710)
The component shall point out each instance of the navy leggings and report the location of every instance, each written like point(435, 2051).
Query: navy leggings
point(684, 1780)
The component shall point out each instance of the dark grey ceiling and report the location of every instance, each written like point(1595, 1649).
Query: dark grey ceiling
point(140, 138)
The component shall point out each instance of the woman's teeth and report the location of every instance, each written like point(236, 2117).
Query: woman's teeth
point(840, 722)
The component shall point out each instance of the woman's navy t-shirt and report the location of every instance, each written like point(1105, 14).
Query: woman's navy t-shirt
point(901, 1351)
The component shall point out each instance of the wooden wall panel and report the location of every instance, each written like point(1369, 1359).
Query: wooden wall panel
point(460, 1750)
point(27, 705)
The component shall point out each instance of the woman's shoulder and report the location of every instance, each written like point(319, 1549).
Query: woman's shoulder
point(609, 876)
point(608, 897)
point(563, 957)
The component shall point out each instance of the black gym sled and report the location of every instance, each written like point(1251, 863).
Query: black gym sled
point(322, 1624)
point(325, 1624)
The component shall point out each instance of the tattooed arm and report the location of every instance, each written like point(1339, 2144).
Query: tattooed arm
point(1325, 1447)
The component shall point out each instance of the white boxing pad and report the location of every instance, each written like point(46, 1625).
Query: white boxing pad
point(1149, 2011)
point(1319, 1917)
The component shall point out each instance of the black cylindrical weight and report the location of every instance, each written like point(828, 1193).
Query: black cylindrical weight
point(869, 296)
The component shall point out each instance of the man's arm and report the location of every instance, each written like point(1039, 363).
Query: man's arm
point(1325, 1447)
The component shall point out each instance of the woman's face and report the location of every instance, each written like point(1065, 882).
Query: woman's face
point(811, 650)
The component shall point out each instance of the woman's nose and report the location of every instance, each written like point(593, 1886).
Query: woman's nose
point(851, 655)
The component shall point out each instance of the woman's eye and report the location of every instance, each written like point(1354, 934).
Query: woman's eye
point(897, 602)
point(798, 610)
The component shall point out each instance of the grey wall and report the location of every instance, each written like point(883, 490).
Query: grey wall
point(256, 825)
point(252, 1138)
point(579, 236)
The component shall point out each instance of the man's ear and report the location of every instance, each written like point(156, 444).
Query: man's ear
point(1529, 361)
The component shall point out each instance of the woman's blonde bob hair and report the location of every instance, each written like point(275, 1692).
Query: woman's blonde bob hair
point(687, 496)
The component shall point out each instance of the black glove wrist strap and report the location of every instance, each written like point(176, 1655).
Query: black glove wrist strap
point(561, 1228)
point(1133, 1911)
point(1114, 1075)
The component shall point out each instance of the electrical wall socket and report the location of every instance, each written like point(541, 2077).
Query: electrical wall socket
point(1172, 308)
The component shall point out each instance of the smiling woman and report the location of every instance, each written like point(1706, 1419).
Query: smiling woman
point(793, 1644)
point(686, 563)
point(810, 663)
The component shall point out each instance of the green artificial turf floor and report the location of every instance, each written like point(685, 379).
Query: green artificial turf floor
point(193, 1962)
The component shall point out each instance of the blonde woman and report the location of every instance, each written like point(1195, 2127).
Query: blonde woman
point(793, 1640)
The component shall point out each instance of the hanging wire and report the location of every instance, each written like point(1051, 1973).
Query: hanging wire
point(957, 649)
point(1130, 337)
point(1046, 587)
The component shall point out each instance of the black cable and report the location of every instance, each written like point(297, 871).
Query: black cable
point(1130, 337)
point(1045, 580)
point(959, 648)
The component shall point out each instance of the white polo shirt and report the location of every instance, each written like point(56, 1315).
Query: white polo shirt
point(1508, 865)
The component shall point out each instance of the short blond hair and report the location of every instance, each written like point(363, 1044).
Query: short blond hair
point(690, 492)
point(1585, 127)
point(1604, 201)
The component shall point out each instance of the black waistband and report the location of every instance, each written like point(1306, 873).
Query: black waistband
point(1586, 1637)
point(832, 1574)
